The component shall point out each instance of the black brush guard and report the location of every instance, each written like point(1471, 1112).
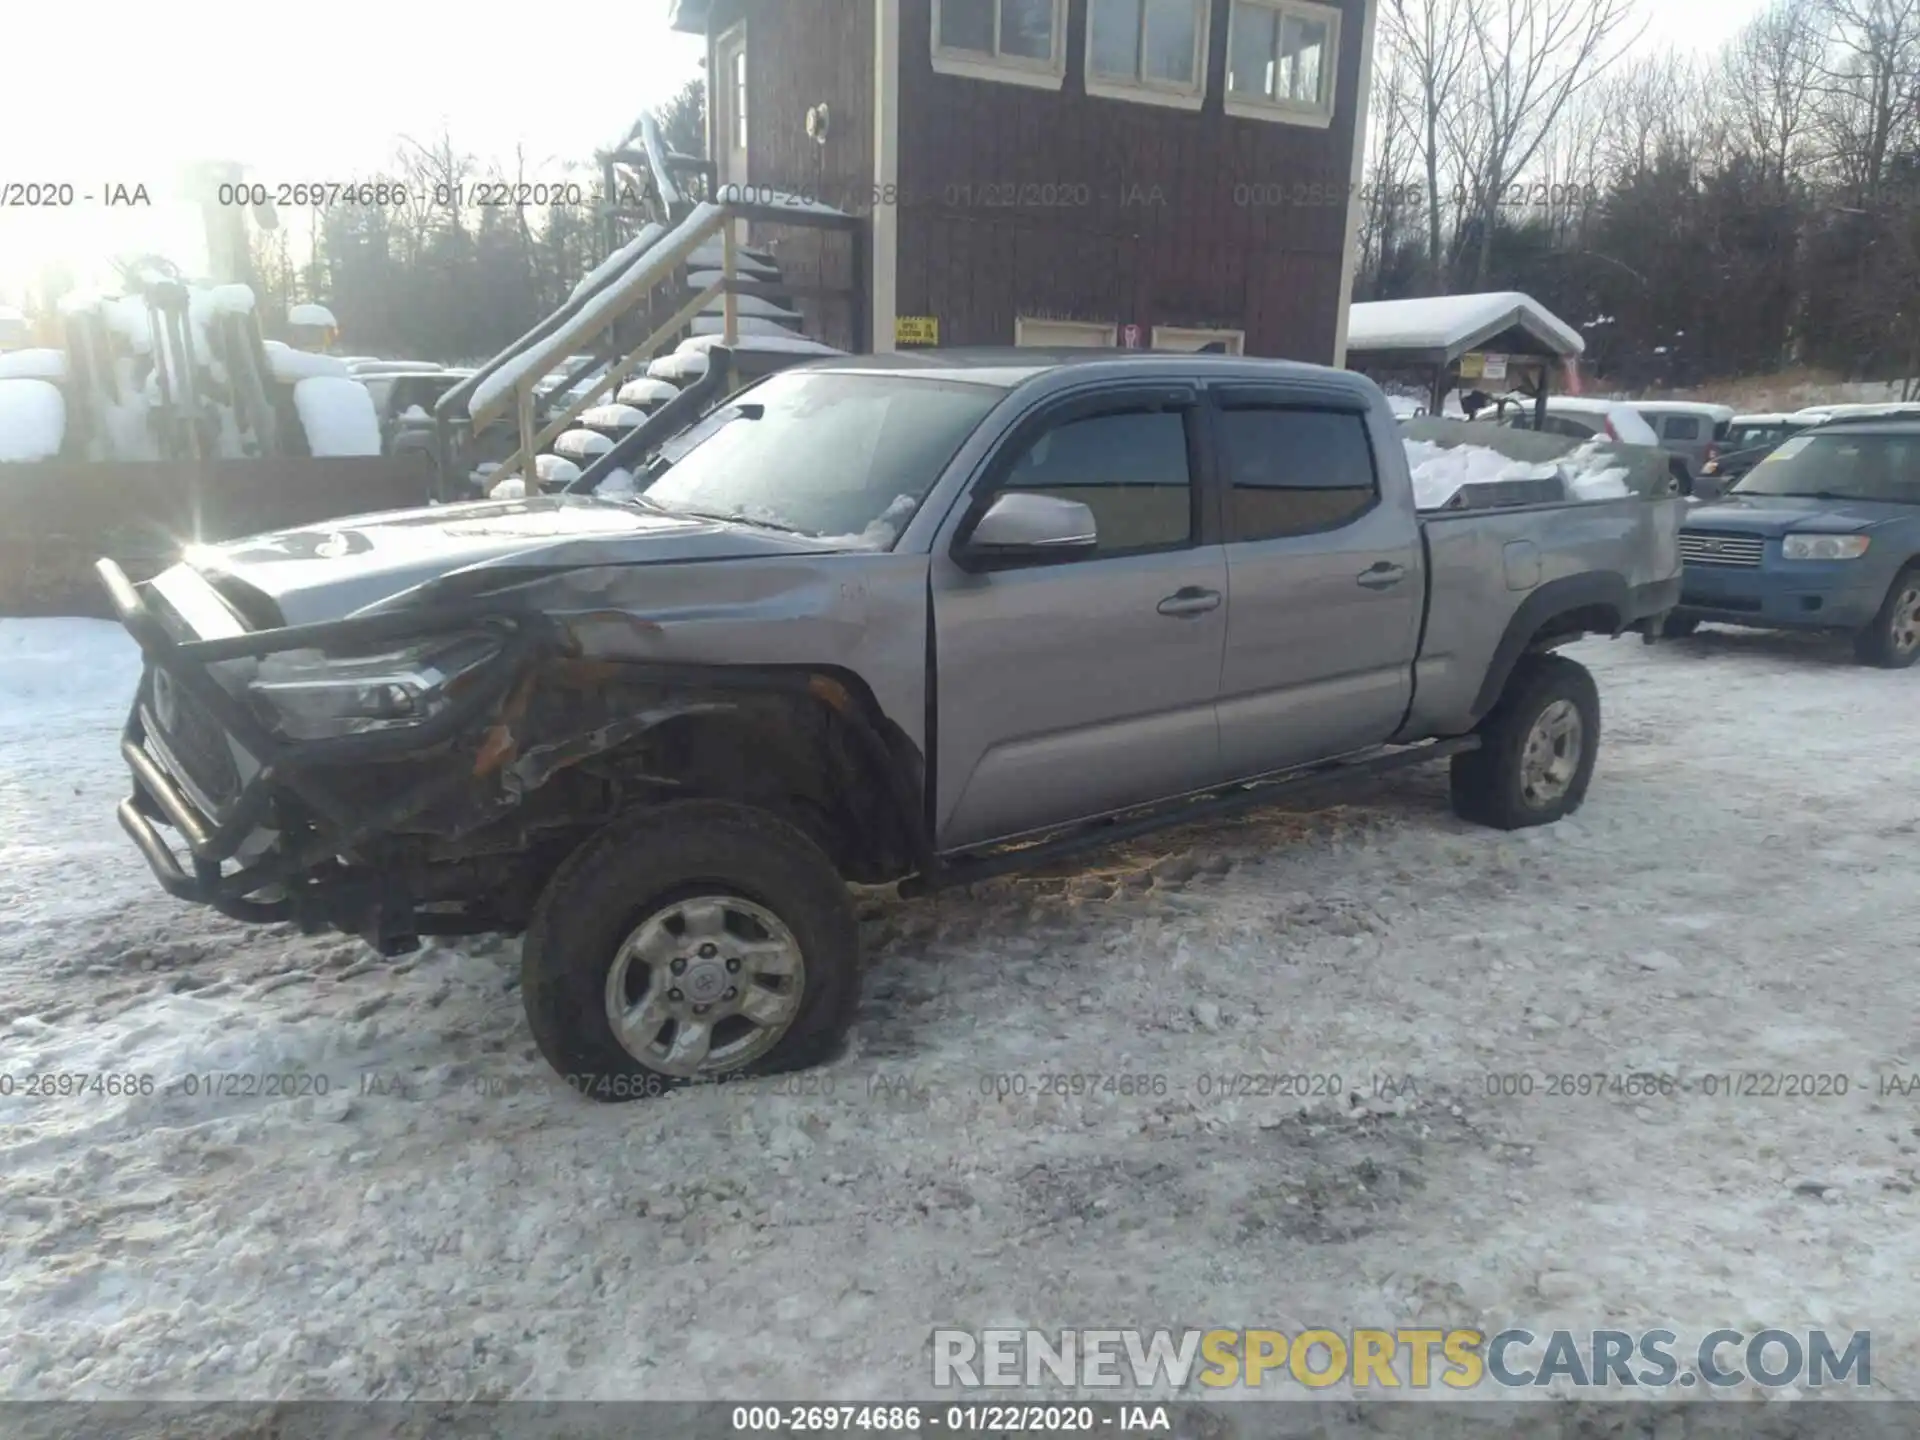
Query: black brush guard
point(348, 899)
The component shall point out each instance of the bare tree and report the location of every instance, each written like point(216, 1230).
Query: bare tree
point(1868, 92)
point(1532, 57)
point(1770, 69)
point(1430, 40)
point(438, 172)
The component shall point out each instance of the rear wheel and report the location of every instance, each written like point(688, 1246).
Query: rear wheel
point(1892, 640)
point(1537, 748)
point(693, 942)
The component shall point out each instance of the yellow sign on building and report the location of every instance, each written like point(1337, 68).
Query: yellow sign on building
point(916, 330)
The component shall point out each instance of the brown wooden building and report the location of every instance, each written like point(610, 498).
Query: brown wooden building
point(1166, 173)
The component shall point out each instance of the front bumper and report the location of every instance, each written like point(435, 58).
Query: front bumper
point(302, 876)
point(1781, 594)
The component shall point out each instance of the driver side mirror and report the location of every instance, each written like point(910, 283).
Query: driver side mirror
point(1022, 526)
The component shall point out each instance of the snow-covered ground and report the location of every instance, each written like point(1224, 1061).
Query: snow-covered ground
point(449, 1221)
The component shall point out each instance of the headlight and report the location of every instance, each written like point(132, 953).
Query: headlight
point(1823, 547)
point(305, 695)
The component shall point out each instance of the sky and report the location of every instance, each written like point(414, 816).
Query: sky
point(326, 94)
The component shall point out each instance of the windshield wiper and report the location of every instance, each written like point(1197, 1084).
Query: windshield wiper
point(737, 517)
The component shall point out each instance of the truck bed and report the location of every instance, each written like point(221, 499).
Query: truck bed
point(1484, 568)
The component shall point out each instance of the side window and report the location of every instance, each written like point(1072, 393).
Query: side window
point(1682, 427)
point(1294, 472)
point(1561, 425)
point(1129, 468)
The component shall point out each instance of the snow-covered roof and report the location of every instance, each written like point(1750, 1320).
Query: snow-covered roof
point(1439, 328)
point(310, 314)
point(1769, 417)
point(1687, 407)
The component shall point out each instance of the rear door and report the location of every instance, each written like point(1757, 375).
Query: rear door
point(1324, 583)
point(1082, 685)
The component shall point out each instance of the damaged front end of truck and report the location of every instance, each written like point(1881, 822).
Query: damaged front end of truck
point(352, 775)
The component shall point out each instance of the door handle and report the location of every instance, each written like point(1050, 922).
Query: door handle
point(1189, 600)
point(1381, 575)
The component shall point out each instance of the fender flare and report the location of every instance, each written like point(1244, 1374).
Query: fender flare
point(1556, 597)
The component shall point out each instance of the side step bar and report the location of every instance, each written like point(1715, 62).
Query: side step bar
point(1098, 835)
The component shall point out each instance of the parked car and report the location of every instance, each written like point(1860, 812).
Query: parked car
point(926, 617)
point(405, 401)
point(1692, 430)
point(1584, 419)
point(1822, 534)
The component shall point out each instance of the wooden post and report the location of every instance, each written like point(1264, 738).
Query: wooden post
point(729, 302)
point(528, 470)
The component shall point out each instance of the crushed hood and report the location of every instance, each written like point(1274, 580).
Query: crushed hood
point(401, 557)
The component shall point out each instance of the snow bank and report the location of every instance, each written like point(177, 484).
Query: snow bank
point(33, 420)
point(338, 415)
point(289, 365)
point(310, 314)
point(52, 668)
point(33, 365)
point(646, 393)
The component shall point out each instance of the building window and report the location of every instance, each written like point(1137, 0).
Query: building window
point(1151, 50)
point(1280, 60)
point(1295, 472)
point(737, 93)
point(1022, 42)
point(1064, 334)
point(1186, 337)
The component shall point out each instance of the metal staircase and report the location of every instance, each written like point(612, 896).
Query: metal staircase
point(640, 321)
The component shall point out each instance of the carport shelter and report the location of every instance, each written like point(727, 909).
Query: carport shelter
point(1498, 341)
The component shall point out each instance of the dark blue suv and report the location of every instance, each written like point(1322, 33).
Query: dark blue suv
point(1824, 534)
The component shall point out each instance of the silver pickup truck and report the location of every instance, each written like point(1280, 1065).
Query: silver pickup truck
point(922, 618)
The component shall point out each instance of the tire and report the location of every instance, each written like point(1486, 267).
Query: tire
point(1892, 640)
point(616, 903)
point(1494, 785)
point(1678, 627)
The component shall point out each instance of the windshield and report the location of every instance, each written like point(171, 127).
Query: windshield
point(1842, 467)
point(1741, 437)
point(836, 455)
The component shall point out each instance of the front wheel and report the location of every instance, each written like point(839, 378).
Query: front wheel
point(1537, 748)
point(1892, 640)
point(692, 942)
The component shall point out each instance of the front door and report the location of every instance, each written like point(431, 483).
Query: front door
point(1085, 685)
point(1326, 587)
